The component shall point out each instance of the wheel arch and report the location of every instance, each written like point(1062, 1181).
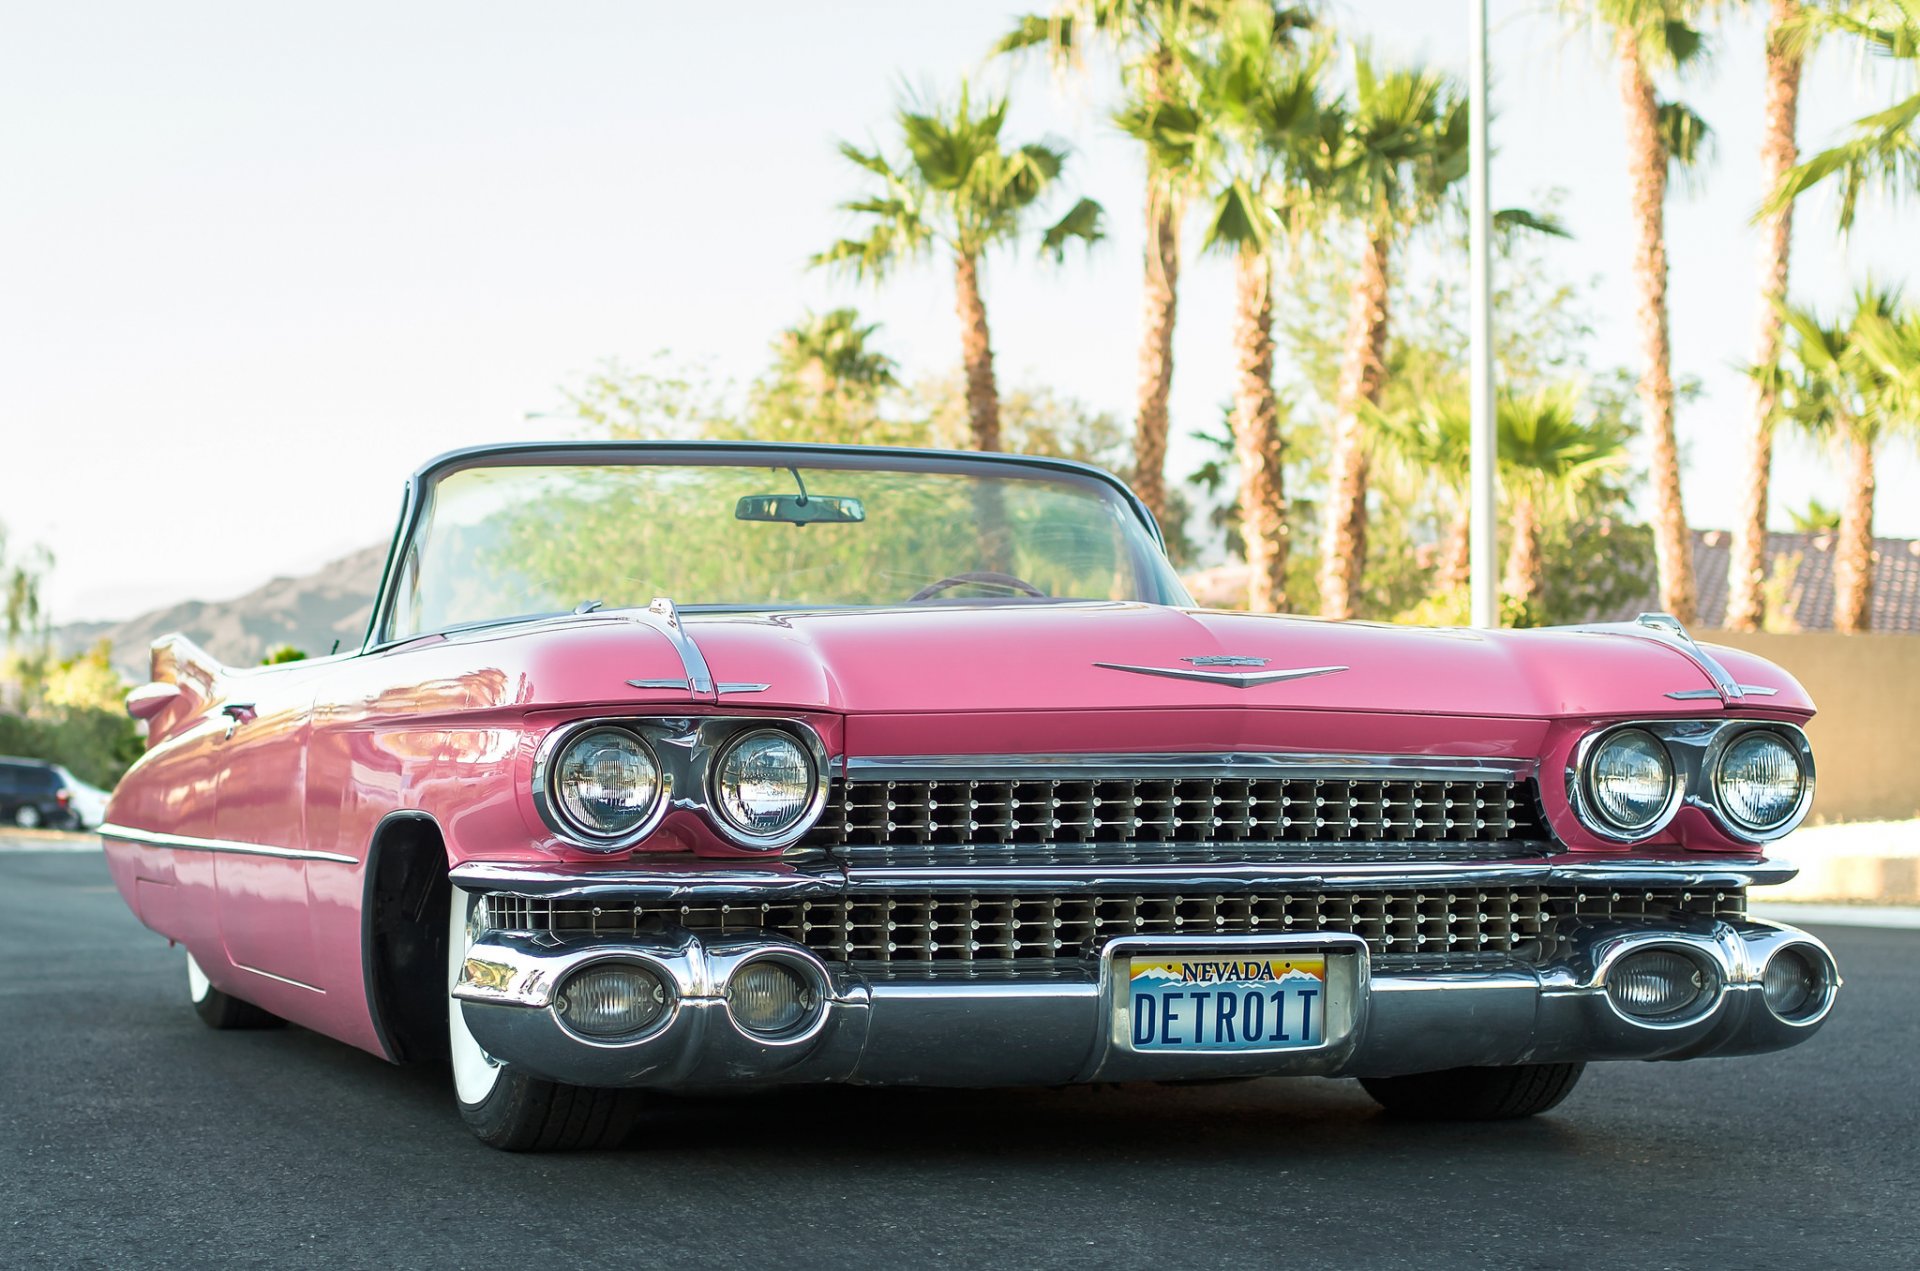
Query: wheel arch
point(403, 932)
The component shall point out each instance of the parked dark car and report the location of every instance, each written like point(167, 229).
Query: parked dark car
point(34, 793)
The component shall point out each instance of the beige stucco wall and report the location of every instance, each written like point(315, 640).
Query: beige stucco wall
point(1866, 738)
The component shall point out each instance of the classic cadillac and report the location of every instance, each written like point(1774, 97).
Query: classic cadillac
point(675, 766)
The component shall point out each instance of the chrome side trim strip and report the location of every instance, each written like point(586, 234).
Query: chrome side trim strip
point(187, 843)
point(298, 984)
point(1232, 679)
point(1104, 766)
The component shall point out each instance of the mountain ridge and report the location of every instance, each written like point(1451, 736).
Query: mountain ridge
point(308, 611)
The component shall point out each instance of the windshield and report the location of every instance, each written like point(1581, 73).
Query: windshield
point(496, 543)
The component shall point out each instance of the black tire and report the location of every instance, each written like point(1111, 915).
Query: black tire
point(27, 817)
point(511, 1110)
point(1475, 1094)
point(222, 1010)
point(527, 1114)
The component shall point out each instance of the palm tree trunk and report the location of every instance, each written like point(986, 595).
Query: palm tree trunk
point(1363, 369)
point(1156, 350)
point(1747, 570)
point(1256, 437)
point(1853, 554)
point(1647, 162)
point(976, 351)
point(1456, 552)
point(1522, 582)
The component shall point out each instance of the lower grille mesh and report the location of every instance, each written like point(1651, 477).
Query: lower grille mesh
point(952, 932)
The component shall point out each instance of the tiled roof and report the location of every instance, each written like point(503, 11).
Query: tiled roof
point(1809, 595)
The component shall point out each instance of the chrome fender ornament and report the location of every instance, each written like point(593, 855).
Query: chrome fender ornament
point(1207, 671)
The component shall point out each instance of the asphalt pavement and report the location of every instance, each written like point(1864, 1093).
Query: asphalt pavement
point(132, 1135)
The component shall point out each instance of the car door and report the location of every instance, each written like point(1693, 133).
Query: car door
point(260, 821)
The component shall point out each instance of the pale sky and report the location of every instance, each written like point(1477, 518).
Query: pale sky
point(257, 262)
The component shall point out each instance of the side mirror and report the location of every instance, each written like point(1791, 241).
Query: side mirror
point(799, 509)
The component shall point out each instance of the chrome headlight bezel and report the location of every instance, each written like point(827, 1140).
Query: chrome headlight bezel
point(552, 809)
point(687, 750)
point(1695, 749)
point(1587, 808)
point(811, 749)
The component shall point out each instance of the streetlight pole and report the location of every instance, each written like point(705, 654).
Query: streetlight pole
point(1481, 497)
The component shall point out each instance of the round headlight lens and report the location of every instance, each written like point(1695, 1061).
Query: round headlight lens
point(1630, 779)
point(1759, 782)
point(606, 782)
point(764, 783)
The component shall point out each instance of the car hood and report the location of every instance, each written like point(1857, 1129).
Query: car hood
point(1078, 656)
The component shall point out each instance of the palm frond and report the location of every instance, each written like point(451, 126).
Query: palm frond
point(1520, 218)
point(1082, 222)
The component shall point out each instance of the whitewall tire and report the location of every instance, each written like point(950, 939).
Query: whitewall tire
point(509, 1109)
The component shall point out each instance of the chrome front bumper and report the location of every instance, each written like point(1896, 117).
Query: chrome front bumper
point(1382, 1020)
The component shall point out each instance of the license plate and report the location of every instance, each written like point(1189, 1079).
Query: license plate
point(1261, 1003)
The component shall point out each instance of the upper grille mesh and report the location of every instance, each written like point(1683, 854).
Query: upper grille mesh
point(1125, 819)
point(988, 932)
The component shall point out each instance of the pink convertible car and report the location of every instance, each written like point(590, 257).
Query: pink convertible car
point(689, 766)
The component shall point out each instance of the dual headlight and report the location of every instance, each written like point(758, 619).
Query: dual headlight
point(605, 786)
point(1629, 785)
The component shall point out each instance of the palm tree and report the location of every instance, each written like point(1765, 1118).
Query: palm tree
point(1430, 438)
point(1549, 456)
point(1747, 568)
point(1883, 150)
point(1404, 142)
point(827, 354)
point(1156, 42)
point(826, 383)
point(1845, 385)
point(1259, 131)
point(1652, 37)
point(957, 188)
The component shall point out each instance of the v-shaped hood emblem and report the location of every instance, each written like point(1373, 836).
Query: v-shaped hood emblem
point(1214, 675)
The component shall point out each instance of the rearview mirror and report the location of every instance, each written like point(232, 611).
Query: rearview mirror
point(799, 509)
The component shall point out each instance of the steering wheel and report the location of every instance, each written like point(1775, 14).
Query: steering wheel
point(988, 576)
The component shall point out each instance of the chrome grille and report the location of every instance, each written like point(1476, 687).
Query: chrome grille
point(1187, 818)
point(991, 933)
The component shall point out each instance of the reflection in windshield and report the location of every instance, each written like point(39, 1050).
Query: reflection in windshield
point(503, 542)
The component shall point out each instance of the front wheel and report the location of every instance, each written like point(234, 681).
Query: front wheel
point(1475, 1094)
point(511, 1110)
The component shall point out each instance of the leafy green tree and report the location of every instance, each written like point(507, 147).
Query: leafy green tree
point(956, 187)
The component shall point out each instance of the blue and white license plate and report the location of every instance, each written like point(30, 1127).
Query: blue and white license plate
point(1260, 1003)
